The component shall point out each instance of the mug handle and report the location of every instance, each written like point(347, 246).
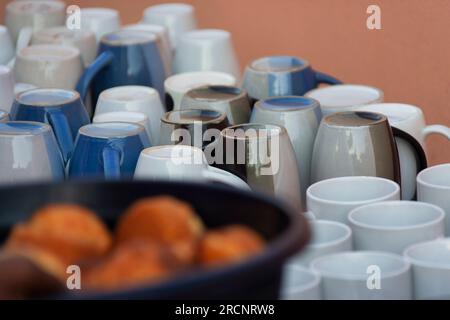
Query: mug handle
point(62, 131)
point(437, 128)
point(24, 38)
point(324, 78)
point(212, 173)
point(103, 60)
point(111, 163)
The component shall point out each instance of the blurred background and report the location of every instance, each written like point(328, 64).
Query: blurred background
point(409, 58)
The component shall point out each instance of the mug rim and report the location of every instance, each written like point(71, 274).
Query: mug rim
point(40, 127)
point(109, 94)
point(220, 116)
point(346, 237)
point(161, 9)
point(138, 116)
point(145, 37)
point(150, 152)
point(241, 93)
point(206, 34)
point(387, 106)
point(316, 279)
point(55, 6)
point(80, 34)
point(423, 262)
point(326, 120)
point(421, 180)
point(304, 65)
point(133, 132)
point(260, 104)
point(75, 96)
point(172, 82)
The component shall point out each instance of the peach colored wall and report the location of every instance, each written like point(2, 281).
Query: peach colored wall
point(409, 58)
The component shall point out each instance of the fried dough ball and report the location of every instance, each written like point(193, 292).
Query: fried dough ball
point(70, 232)
point(163, 220)
point(228, 244)
point(131, 263)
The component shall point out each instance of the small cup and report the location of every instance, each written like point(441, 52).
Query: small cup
point(300, 283)
point(364, 275)
point(333, 199)
point(431, 268)
point(107, 150)
point(230, 100)
point(392, 226)
point(433, 186)
point(7, 52)
point(101, 21)
point(345, 97)
point(6, 88)
point(4, 116)
point(177, 85)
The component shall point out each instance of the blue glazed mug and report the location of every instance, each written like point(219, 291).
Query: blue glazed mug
point(276, 76)
point(108, 150)
point(126, 57)
point(62, 109)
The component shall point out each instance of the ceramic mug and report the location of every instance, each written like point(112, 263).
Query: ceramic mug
point(433, 186)
point(431, 268)
point(6, 88)
point(7, 52)
point(301, 117)
point(232, 101)
point(275, 76)
point(136, 99)
point(392, 226)
point(346, 276)
point(107, 150)
point(181, 163)
point(29, 153)
point(178, 85)
point(125, 57)
point(333, 199)
point(300, 283)
point(49, 66)
point(345, 97)
point(62, 109)
point(359, 143)
point(178, 18)
point(100, 21)
point(327, 237)
point(4, 116)
point(206, 50)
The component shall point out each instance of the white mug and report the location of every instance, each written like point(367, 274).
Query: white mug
point(300, 283)
point(125, 116)
point(4, 116)
point(327, 237)
point(101, 21)
point(433, 186)
point(181, 163)
point(177, 85)
point(133, 98)
point(206, 50)
point(392, 226)
point(431, 268)
point(6, 88)
point(345, 97)
point(177, 17)
point(364, 275)
point(7, 51)
point(333, 199)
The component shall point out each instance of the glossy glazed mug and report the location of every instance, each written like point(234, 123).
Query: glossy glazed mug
point(232, 101)
point(49, 66)
point(359, 143)
point(206, 50)
point(107, 150)
point(333, 199)
point(178, 85)
point(100, 21)
point(300, 283)
point(181, 163)
point(62, 109)
point(275, 76)
point(6, 88)
point(7, 52)
point(392, 226)
point(4, 116)
point(345, 97)
point(433, 186)
point(431, 268)
point(29, 153)
point(301, 117)
point(135, 99)
point(346, 276)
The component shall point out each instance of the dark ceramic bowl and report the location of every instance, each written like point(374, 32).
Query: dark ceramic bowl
point(255, 278)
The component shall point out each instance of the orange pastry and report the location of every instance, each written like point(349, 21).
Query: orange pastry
point(229, 244)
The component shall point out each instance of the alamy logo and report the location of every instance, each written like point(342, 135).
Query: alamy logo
point(373, 22)
point(74, 279)
point(73, 21)
point(374, 278)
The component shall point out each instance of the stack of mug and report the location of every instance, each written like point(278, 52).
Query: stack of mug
point(162, 99)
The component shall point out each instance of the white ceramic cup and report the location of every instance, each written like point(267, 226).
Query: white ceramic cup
point(178, 18)
point(364, 275)
point(327, 237)
point(6, 88)
point(345, 97)
point(333, 199)
point(300, 283)
point(431, 268)
point(49, 66)
point(125, 116)
point(392, 226)
point(100, 21)
point(4, 116)
point(206, 50)
point(177, 85)
point(6, 45)
point(181, 163)
point(433, 186)
point(133, 98)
